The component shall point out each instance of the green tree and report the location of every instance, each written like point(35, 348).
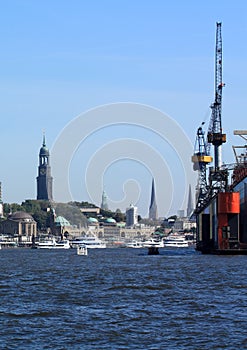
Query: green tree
point(118, 216)
point(13, 207)
point(31, 206)
point(41, 218)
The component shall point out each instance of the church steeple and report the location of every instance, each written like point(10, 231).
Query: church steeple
point(104, 204)
point(190, 208)
point(153, 212)
point(44, 155)
point(44, 179)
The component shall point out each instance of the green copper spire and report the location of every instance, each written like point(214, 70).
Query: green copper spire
point(104, 204)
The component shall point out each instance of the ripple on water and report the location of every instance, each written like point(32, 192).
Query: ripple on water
point(121, 299)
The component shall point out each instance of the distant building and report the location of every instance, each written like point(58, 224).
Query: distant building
point(93, 222)
point(104, 204)
point(153, 212)
point(113, 235)
point(60, 226)
point(19, 224)
point(87, 211)
point(44, 178)
point(131, 216)
point(110, 222)
point(184, 224)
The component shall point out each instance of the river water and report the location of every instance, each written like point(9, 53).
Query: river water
point(122, 299)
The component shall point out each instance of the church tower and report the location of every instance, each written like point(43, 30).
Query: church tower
point(153, 212)
point(104, 204)
point(44, 178)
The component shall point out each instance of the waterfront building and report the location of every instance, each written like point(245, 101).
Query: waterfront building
point(119, 233)
point(44, 178)
point(153, 212)
point(110, 222)
point(184, 224)
point(131, 216)
point(90, 210)
point(60, 226)
point(93, 222)
point(20, 224)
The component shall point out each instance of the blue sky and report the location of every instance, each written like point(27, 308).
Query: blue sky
point(62, 58)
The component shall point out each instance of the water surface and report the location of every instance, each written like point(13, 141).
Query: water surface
point(122, 299)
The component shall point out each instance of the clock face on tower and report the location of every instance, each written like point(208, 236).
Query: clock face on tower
point(42, 171)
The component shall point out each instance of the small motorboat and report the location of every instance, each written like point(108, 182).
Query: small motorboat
point(82, 249)
point(135, 244)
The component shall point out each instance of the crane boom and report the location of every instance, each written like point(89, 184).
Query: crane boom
point(217, 179)
point(215, 135)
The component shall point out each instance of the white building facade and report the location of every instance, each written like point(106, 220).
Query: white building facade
point(131, 216)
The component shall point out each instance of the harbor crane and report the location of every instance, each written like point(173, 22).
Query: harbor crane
point(201, 158)
point(218, 211)
point(215, 135)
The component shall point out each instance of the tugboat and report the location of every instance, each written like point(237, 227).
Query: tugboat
point(153, 245)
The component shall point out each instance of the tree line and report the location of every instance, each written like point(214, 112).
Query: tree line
point(42, 212)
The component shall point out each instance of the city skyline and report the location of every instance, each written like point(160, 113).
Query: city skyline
point(60, 63)
point(45, 180)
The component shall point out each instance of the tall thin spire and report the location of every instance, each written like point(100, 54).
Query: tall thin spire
point(104, 204)
point(153, 212)
point(44, 145)
point(190, 207)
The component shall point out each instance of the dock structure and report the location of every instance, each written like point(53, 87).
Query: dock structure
point(221, 205)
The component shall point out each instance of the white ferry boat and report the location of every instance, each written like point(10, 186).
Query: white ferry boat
point(175, 240)
point(88, 241)
point(153, 242)
point(52, 244)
